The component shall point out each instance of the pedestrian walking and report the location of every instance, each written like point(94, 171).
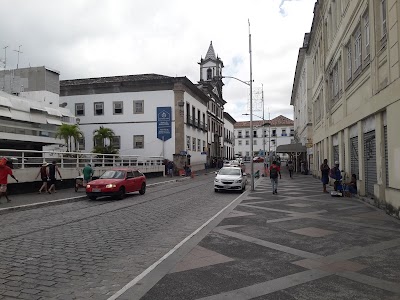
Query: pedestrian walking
point(53, 169)
point(44, 175)
point(170, 167)
point(290, 168)
point(4, 172)
point(274, 171)
point(325, 175)
point(87, 174)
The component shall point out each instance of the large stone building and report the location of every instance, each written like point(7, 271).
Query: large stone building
point(229, 136)
point(353, 82)
point(267, 134)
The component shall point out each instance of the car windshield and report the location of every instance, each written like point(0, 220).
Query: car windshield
point(229, 172)
point(113, 175)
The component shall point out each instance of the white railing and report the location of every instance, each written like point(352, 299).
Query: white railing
point(23, 159)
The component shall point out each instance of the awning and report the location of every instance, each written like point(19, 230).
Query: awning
point(5, 101)
point(5, 112)
point(37, 117)
point(291, 148)
point(66, 112)
point(20, 115)
point(54, 121)
point(53, 111)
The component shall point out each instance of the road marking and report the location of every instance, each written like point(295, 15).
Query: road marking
point(134, 281)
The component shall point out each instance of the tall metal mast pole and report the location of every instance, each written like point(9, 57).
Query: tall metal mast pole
point(251, 115)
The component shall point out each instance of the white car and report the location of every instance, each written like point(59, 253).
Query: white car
point(230, 178)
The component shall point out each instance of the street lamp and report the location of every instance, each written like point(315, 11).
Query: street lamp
point(250, 84)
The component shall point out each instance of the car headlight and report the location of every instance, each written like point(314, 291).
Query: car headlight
point(216, 180)
point(88, 185)
point(238, 181)
point(110, 185)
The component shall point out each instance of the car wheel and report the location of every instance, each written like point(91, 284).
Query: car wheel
point(142, 189)
point(121, 193)
point(92, 197)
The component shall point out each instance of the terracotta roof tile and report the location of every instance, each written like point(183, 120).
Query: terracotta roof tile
point(278, 121)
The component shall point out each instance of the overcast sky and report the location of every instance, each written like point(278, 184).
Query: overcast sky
point(94, 38)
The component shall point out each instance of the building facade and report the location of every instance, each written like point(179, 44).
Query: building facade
point(302, 105)
point(211, 84)
point(29, 109)
point(354, 84)
point(267, 135)
point(131, 107)
point(229, 136)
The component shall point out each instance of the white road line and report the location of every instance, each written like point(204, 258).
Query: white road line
point(154, 265)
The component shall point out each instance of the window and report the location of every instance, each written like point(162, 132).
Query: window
point(291, 132)
point(118, 107)
point(194, 144)
point(98, 142)
point(116, 142)
point(255, 133)
point(81, 143)
point(383, 15)
point(273, 132)
point(349, 59)
point(247, 153)
point(198, 145)
point(255, 142)
point(187, 142)
point(138, 106)
point(98, 108)
point(209, 73)
point(284, 132)
point(366, 35)
point(265, 133)
point(357, 49)
point(239, 143)
point(247, 142)
point(138, 141)
point(273, 142)
point(79, 109)
point(204, 146)
point(247, 133)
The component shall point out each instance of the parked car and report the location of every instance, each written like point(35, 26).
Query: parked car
point(230, 178)
point(258, 159)
point(117, 182)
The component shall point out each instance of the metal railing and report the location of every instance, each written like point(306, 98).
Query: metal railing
point(23, 159)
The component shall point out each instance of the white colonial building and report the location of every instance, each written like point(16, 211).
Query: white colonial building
point(29, 109)
point(151, 115)
point(229, 136)
point(267, 134)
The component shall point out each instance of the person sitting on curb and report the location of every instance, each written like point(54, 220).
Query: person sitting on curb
point(336, 174)
point(351, 187)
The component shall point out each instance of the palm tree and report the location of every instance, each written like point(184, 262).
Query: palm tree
point(101, 135)
point(69, 132)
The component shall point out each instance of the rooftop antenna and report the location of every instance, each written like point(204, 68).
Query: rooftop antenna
point(18, 51)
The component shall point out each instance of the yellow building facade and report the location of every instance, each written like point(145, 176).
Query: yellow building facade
point(353, 60)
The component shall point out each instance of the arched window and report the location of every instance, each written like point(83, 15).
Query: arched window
point(209, 73)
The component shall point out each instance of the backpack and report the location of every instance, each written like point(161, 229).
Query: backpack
point(273, 173)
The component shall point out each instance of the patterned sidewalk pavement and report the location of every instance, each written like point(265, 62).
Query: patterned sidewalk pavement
point(298, 244)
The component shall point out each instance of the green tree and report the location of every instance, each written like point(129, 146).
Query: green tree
point(69, 133)
point(101, 136)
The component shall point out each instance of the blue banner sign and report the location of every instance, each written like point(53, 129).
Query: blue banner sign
point(164, 123)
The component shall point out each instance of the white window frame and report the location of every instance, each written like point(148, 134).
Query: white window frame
point(239, 143)
point(135, 108)
point(188, 140)
point(95, 104)
point(383, 17)
point(198, 145)
point(247, 142)
point(193, 144)
point(204, 146)
point(76, 109)
point(349, 62)
point(137, 140)
point(366, 34)
point(115, 107)
point(357, 49)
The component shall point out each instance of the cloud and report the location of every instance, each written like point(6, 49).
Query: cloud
point(92, 38)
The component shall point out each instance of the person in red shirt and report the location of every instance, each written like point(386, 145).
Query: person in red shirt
point(274, 172)
point(4, 172)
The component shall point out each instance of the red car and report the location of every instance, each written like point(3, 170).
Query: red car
point(117, 182)
point(258, 159)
